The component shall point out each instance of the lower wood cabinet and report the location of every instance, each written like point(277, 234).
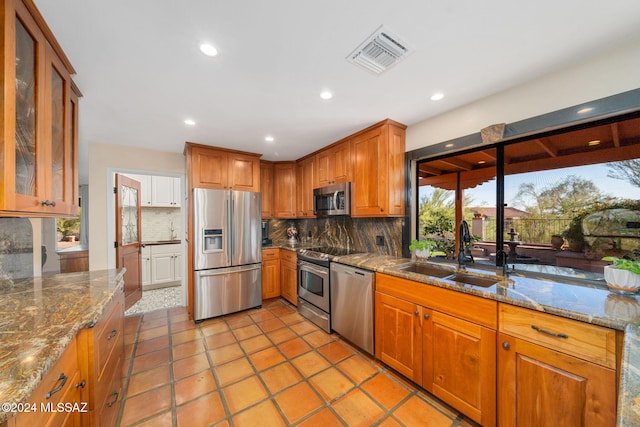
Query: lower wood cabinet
point(270, 273)
point(554, 371)
point(289, 276)
point(451, 357)
point(101, 352)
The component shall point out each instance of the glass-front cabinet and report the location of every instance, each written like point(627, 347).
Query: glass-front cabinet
point(39, 117)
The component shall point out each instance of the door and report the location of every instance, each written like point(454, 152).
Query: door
point(246, 228)
point(128, 251)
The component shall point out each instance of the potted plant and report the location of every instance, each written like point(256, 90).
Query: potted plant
point(422, 247)
point(557, 241)
point(623, 275)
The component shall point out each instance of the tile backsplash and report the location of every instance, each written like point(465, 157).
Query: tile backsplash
point(16, 248)
point(159, 224)
point(355, 233)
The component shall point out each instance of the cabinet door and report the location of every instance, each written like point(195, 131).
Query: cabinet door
point(146, 266)
point(162, 268)
point(244, 172)
point(208, 168)
point(284, 189)
point(304, 188)
point(177, 194)
point(266, 188)
point(368, 195)
point(145, 188)
point(538, 386)
point(162, 188)
point(460, 365)
point(270, 278)
point(399, 335)
point(177, 266)
point(288, 282)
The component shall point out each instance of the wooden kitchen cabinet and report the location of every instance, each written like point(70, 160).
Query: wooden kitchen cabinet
point(443, 340)
point(101, 354)
point(377, 187)
point(284, 190)
point(270, 273)
point(554, 371)
point(39, 118)
point(288, 276)
point(398, 335)
point(221, 169)
point(333, 164)
point(62, 384)
point(304, 187)
point(266, 189)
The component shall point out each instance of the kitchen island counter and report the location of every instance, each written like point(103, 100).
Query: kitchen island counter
point(40, 317)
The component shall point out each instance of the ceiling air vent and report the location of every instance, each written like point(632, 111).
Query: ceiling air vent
point(379, 52)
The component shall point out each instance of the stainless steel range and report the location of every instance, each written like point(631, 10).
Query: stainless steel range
point(314, 301)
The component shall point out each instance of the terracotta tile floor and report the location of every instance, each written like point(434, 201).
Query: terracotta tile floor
point(266, 367)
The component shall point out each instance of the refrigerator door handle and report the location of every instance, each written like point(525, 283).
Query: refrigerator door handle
point(229, 241)
point(227, 270)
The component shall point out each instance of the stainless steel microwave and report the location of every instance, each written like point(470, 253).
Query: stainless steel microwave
point(332, 200)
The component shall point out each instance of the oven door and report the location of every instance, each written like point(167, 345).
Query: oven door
point(313, 284)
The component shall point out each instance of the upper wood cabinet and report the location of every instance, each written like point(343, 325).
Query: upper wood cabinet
point(39, 118)
point(284, 190)
point(304, 187)
point(220, 169)
point(378, 174)
point(266, 189)
point(333, 164)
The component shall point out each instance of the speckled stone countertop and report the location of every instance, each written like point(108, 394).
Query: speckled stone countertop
point(38, 319)
point(572, 299)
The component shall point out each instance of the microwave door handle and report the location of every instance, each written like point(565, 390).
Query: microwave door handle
point(335, 200)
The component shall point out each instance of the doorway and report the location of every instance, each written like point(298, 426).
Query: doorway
point(163, 220)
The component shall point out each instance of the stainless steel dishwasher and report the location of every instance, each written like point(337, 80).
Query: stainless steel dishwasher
point(352, 304)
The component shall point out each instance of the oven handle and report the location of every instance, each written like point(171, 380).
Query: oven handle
point(320, 271)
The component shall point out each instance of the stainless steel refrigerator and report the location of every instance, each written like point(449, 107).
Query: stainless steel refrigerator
point(227, 252)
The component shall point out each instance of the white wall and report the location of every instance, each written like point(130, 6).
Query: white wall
point(603, 75)
point(104, 159)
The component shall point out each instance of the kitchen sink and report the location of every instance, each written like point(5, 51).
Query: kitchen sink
point(427, 270)
point(468, 279)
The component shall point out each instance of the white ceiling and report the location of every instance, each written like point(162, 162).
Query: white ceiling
point(141, 72)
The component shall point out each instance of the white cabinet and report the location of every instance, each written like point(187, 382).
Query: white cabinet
point(165, 264)
point(158, 191)
point(165, 191)
point(146, 266)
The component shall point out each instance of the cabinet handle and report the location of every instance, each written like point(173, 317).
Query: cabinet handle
point(81, 384)
point(113, 333)
point(63, 380)
point(381, 209)
point(426, 316)
point(544, 331)
point(115, 399)
point(48, 203)
point(506, 345)
point(417, 313)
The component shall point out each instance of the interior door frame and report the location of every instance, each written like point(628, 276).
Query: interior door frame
point(111, 220)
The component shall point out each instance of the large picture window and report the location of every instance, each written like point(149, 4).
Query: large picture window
point(563, 200)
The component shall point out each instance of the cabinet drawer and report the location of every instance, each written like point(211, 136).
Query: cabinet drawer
point(64, 376)
point(288, 255)
point(589, 342)
point(109, 337)
point(107, 406)
point(270, 254)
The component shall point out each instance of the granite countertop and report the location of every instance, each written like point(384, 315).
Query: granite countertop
point(38, 319)
point(587, 303)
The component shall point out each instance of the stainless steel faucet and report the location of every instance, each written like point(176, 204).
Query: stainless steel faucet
point(504, 257)
point(464, 252)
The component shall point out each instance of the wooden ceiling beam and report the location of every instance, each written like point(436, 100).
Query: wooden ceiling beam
point(457, 163)
point(615, 134)
point(547, 146)
point(488, 155)
point(429, 170)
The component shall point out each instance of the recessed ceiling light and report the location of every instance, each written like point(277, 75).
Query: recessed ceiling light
point(437, 96)
point(189, 122)
point(585, 110)
point(449, 145)
point(269, 138)
point(481, 162)
point(593, 143)
point(208, 49)
point(326, 95)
